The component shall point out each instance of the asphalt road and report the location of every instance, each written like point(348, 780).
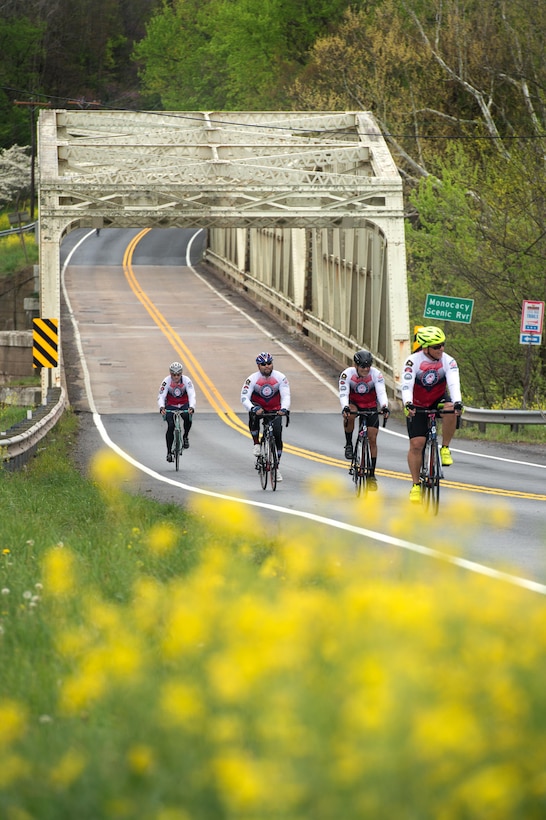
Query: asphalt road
point(134, 302)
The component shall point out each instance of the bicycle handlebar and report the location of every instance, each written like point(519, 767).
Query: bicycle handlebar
point(436, 411)
point(177, 410)
point(269, 416)
point(370, 412)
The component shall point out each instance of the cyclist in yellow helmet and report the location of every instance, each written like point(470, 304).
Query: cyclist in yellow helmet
point(430, 378)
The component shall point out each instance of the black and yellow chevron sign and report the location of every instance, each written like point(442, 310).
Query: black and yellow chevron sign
point(45, 342)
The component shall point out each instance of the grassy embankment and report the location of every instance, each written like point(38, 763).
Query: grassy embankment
point(181, 665)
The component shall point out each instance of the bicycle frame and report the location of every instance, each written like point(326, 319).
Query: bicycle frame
point(361, 464)
point(267, 462)
point(431, 471)
point(177, 439)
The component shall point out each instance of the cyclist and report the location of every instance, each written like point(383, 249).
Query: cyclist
point(431, 377)
point(176, 391)
point(267, 390)
point(362, 387)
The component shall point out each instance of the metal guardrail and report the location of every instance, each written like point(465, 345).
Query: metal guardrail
point(31, 226)
point(481, 416)
point(16, 450)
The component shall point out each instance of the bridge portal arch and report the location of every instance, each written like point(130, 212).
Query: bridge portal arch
point(304, 209)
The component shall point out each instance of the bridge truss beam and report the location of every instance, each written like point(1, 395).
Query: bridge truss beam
point(329, 175)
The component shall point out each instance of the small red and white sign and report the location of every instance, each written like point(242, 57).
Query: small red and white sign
point(532, 318)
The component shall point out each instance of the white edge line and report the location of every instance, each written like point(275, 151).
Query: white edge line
point(471, 566)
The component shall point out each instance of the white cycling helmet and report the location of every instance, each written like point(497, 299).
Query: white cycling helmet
point(176, 369)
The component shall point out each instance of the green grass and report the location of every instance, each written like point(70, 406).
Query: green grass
point(10, 415)
point(12, 253)
point(502, 433)
point(173, 664)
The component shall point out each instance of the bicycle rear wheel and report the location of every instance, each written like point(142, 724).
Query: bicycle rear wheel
point(263, 463)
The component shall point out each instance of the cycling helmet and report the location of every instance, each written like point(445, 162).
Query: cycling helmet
point(176, 368)
point(427, 336)
point(264, 358)
point(363, 358)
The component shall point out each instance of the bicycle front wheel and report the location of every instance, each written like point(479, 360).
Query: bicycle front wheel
point(263, 461)
point(430, 477)
point(177, 447)
point(365, 465)
point(358, 457)
point(274, 464)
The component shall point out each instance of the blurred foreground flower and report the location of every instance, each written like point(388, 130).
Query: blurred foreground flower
point(162, 538)
point(58, 572)
point(109, 470)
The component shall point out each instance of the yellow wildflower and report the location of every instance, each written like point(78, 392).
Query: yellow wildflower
point(162, 538)
point(68, 769)
point(140, 759)
point(110, 470)
point(13, 721)
point(58, 571)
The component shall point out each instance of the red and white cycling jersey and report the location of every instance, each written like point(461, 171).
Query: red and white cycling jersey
point(365, 392)
point(426, 381)
point(176, 394)
point(270, 392)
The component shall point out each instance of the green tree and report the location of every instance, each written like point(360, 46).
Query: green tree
point(230, 53)
point(481, 234)
point(20, 57)
point(438, 75)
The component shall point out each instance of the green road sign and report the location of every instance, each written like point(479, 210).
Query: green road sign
point(448, 308)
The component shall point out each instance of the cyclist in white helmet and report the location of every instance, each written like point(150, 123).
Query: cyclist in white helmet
point(176, 391)
point(431, 377)
point(266, 390)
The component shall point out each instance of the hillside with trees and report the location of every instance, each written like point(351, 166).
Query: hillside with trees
point(459, 91)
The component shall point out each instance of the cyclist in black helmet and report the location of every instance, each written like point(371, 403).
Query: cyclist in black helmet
point(176, 390)
point(362, 387)
point(266, 390)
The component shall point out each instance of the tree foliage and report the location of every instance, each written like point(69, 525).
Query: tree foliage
point(230, 53)
point(62, 51)
point(459, 91)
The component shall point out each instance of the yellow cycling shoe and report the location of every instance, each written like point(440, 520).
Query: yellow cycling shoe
point(446, 457)
point(415, 493)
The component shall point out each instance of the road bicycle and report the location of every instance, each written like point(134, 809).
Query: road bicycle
point(267, 463)
point(178, 445)
point(361, 463)
point(431, 472)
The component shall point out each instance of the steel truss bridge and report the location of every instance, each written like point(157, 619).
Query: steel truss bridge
point(303, 209)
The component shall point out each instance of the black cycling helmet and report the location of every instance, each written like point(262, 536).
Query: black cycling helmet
point(363, 358)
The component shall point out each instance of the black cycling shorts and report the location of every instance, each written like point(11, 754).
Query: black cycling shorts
point(417, 425)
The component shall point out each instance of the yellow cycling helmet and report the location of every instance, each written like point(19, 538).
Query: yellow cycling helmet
point(427, 336)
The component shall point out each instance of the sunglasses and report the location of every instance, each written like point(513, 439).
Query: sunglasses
point(438, 347)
